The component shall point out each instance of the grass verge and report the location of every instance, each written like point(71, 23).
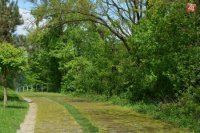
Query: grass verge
point(13, 115)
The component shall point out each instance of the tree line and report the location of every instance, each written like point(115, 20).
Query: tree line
point(12, 59)
point(135, 49)
point(139, 50)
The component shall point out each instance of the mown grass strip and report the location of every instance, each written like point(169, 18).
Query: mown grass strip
point(170, 113)
point(86, 125)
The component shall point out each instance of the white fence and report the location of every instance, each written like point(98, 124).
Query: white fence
point(33, 88)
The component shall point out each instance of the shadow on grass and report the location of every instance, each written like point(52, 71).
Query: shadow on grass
point(15, 103)
point(15, 107)
point(15, 98)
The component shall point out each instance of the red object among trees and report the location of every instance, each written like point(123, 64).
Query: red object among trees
point(191, 7)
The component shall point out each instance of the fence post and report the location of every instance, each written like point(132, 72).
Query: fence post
point(31, 87)
point(47, 87)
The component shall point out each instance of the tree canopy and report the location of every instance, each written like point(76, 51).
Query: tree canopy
point(9, 19)
point(11, 61)
point(137, 50)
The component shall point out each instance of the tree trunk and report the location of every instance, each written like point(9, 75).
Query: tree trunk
point(14, 83)
point(5, 96)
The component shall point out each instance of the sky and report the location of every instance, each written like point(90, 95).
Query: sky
point(25, 10)
point(24, 4)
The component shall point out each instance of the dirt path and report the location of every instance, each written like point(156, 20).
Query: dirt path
point(29, 123)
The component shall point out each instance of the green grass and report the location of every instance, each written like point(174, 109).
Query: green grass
point(53, 117)
point(92, 116)
point(179, 116)
point(12, 96)
point(13, 114)
point(105, 116)
point(86, 125)
point(172, 113)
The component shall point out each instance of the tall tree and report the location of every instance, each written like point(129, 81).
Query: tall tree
point(11, 60)
point(119, 16)
point(9, 19)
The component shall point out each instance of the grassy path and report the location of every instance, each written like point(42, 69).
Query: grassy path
point(53, 118)
point(62, 114)
point(115, 119)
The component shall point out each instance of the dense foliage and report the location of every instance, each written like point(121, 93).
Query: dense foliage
point(162, 62)
point(9, 19)
point(145, 53)
point(11, 58)
point(11, 61)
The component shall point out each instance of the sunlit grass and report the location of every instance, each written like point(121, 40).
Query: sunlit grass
point(104, 117)
point(13, 115)
point(167, 113)
point(171, 113)
point(112, 118)
point(87, 126)
point(45, 105)
point(53, 117)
